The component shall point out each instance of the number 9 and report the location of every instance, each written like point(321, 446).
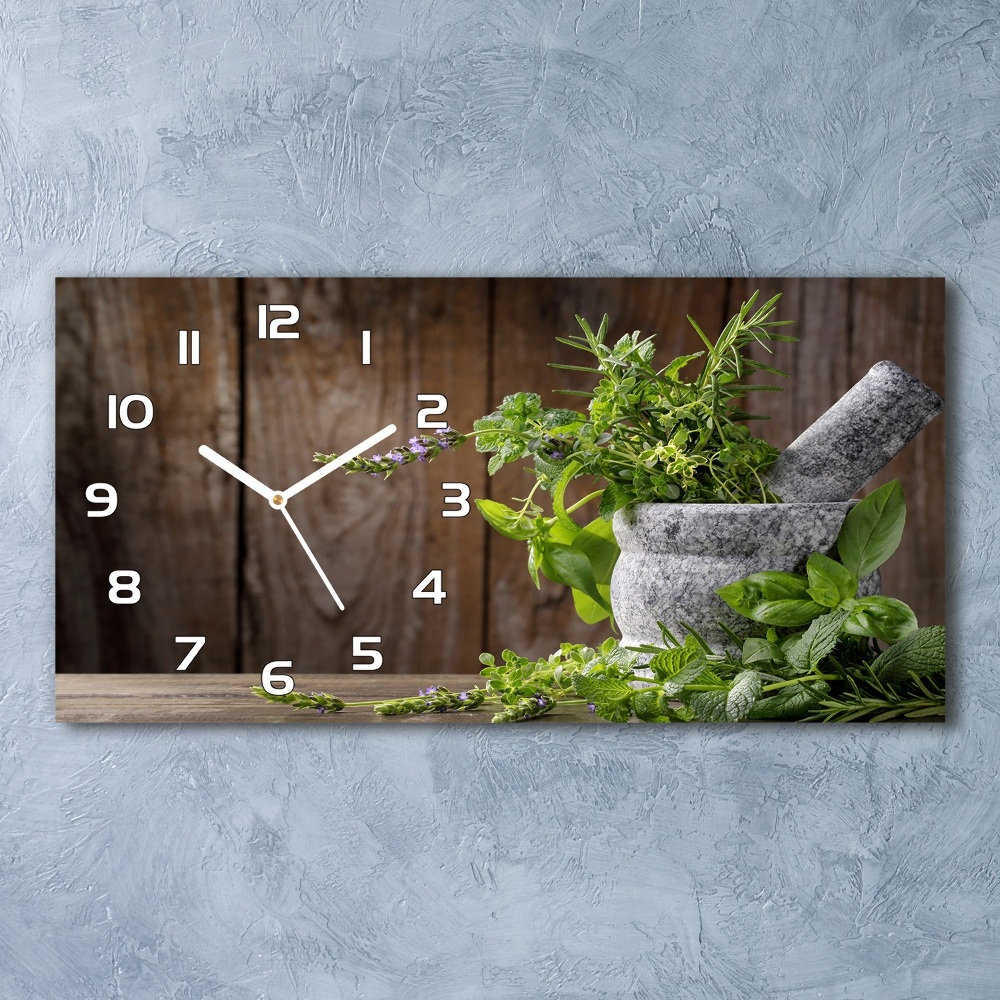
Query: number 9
point(102, 493)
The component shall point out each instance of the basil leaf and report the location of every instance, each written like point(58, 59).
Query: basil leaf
point(588, 609)
point(746, 595)
point(921, 652)
point(872, 530)
point(787, 614)
point(597, 542)
point(508, 522)
point(883, 618)
point(829, 582)
point(564, 564)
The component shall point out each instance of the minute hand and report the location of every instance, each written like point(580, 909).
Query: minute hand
point(339, 461)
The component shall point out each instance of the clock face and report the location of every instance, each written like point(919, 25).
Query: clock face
point(196, 533)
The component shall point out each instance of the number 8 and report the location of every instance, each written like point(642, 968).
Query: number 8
point(124, 582)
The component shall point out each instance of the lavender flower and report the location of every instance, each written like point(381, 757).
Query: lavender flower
point(591, 707)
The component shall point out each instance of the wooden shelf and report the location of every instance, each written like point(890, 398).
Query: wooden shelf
point(173, 698)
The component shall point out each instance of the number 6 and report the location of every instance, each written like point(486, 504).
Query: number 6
point(274, 683)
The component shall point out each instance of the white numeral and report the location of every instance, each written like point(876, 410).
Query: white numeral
point(198, 640)
point(461, 501)
point(275, 330)
point(366, 347)
point(118, 412)
point(374, 656)
point(124, 587)
point(274, 683)
point(440, 405)
point(103, 493)
point(430, 586)
point(182, 347)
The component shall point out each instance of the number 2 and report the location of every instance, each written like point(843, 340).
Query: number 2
point(440, 405)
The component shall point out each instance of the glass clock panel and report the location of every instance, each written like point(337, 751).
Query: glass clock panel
point(217, 527)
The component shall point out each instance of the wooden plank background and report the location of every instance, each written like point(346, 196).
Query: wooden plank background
point(120, 335)
point(375, 539)
point(269, 404)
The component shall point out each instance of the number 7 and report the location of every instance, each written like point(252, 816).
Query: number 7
point(198, 640)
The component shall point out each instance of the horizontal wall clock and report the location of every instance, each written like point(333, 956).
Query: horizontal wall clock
point(202, 550)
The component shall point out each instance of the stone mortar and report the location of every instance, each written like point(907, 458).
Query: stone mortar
point(674, 557)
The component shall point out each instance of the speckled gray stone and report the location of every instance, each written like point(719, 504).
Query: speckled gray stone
point(856, 438)
point(675, 556)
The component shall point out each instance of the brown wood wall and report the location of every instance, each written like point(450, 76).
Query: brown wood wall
point(270, 404)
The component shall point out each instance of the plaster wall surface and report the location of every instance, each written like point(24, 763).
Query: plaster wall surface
point(461, 137)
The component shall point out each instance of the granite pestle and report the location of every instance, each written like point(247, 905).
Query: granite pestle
point(856, 438)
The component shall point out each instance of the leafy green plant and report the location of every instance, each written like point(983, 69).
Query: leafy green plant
point(817, 658)
point(649, 434)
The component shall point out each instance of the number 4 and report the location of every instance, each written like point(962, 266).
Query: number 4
point(430, 586)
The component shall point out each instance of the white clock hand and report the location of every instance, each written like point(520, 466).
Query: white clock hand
point(312, 558)
point(339, 461)
point(236, 472)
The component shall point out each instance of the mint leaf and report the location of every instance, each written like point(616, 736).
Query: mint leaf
point(676, 668)
point(708, 706)
point(611, 696)
point(921, 652)
point(742, 695)
point(793, 702)
point(816, 642)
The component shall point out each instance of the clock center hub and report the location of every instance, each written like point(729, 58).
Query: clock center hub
point(278, 500)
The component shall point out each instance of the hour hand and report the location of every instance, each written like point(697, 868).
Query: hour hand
point(236, 472)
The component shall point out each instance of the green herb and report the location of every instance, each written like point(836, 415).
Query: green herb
point(826, 667)
point(649, 434)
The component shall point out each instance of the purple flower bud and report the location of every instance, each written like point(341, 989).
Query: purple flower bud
point(541, 701)
point(463, 696)
point(591, 707)
point(376, 458)
point(396, 457)
point(431, 690)
point(321, 709)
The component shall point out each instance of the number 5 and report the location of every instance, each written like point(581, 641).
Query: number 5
point(375, 657)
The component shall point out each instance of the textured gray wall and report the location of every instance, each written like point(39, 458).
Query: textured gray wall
point(466, 137)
